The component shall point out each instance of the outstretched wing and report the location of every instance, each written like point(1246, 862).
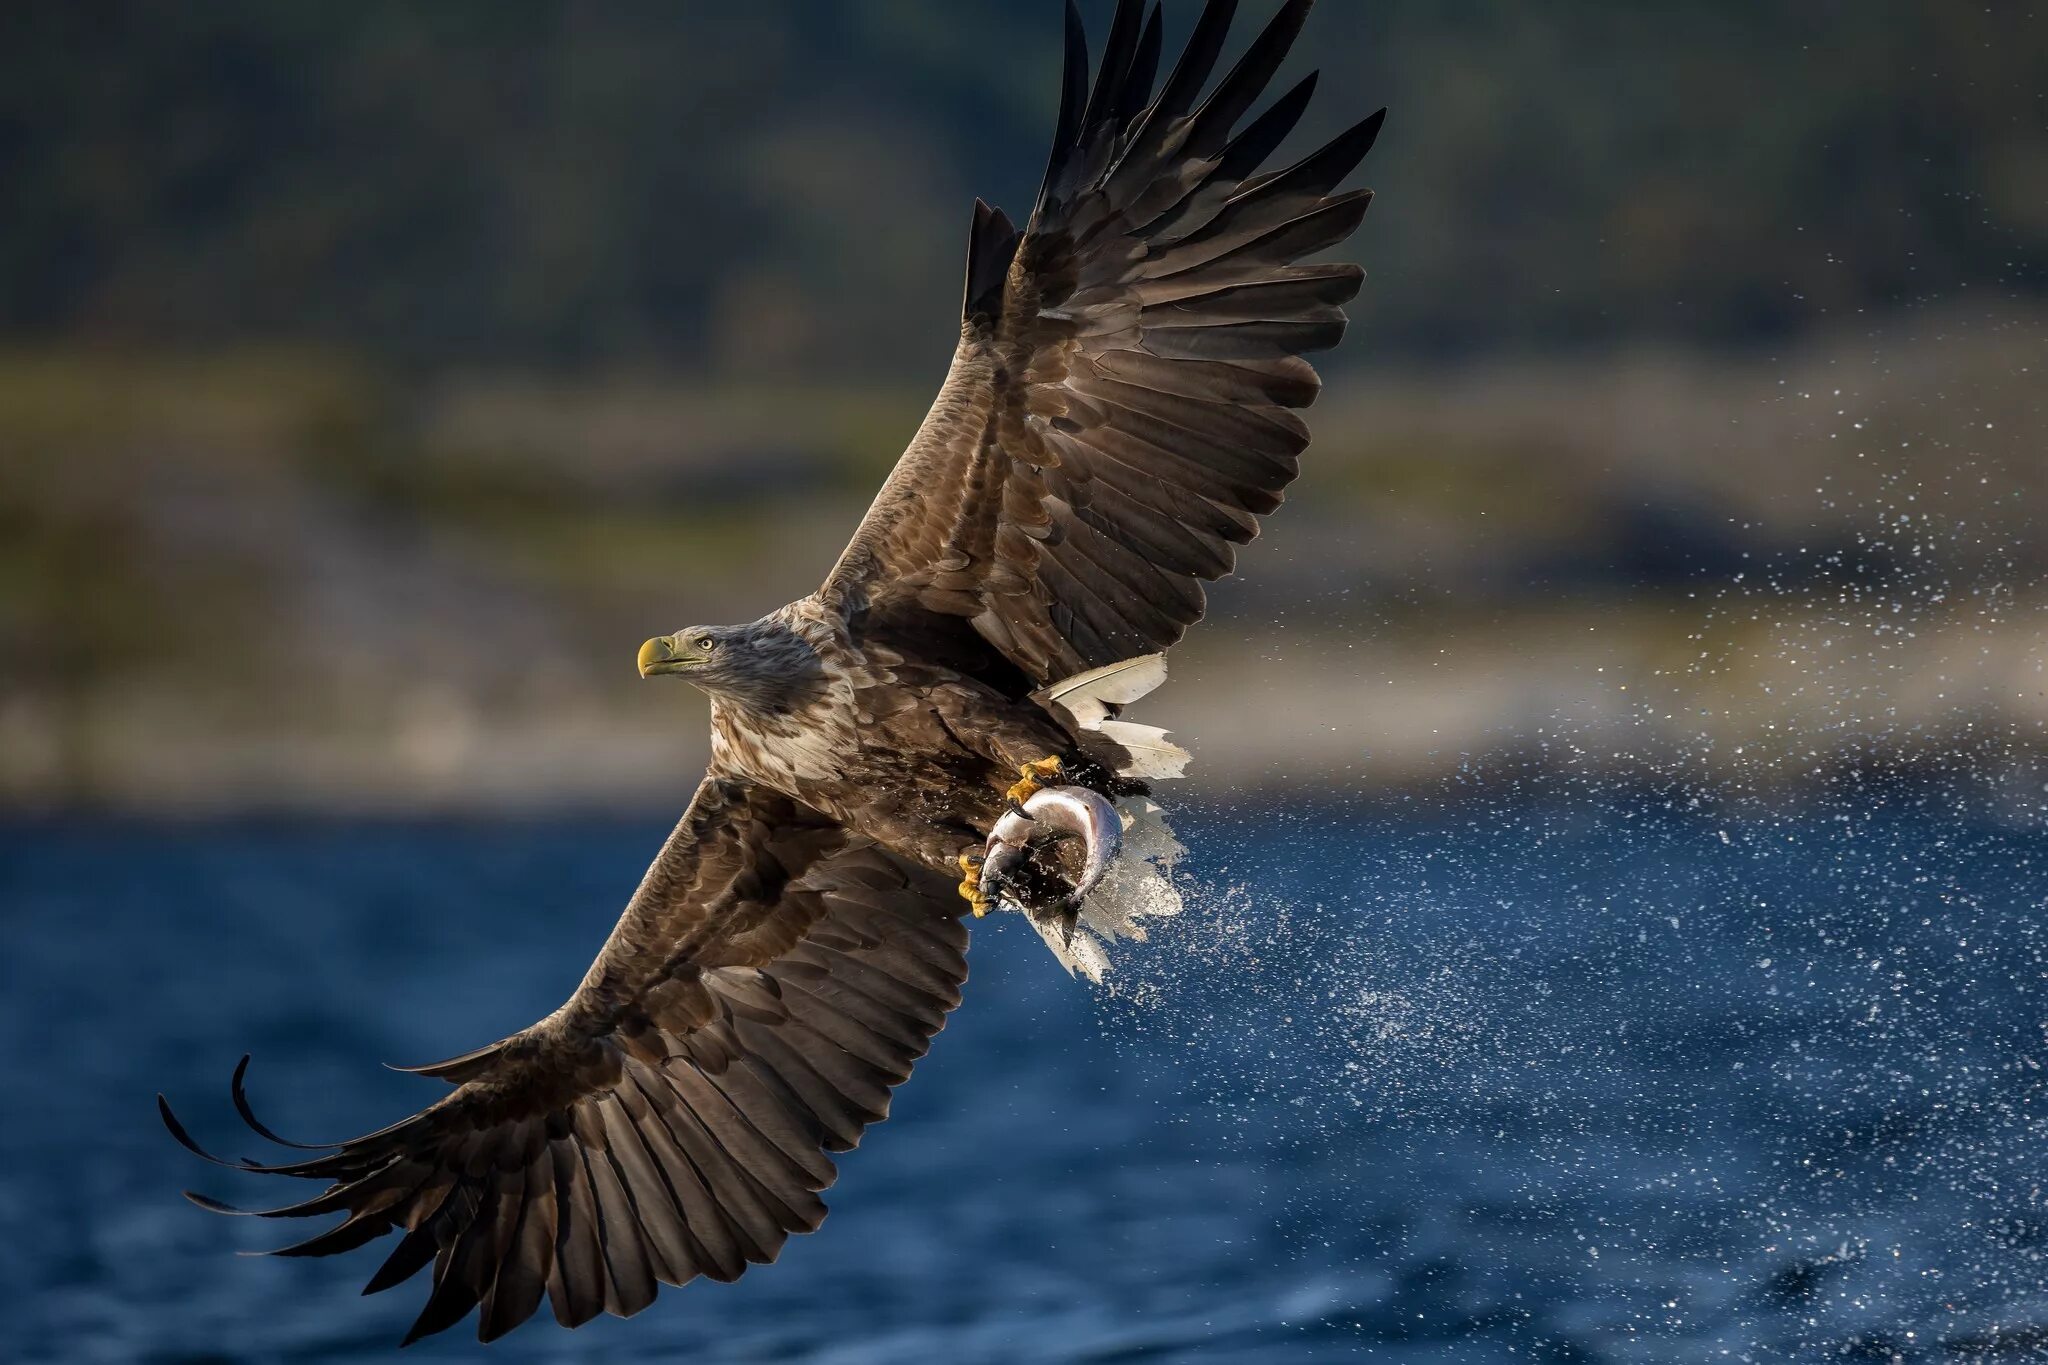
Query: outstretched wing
point(1121, 408)
point(771, 980)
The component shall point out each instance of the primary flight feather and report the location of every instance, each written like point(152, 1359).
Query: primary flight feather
point(1121, 410)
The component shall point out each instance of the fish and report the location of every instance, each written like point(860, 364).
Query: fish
point(1017, 867)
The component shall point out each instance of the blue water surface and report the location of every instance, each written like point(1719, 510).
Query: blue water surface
point(1605, 1077)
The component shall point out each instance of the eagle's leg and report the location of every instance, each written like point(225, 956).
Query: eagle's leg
point(1034, 778)
point(970, 882)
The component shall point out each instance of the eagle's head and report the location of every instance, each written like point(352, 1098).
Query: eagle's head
point(765, 664)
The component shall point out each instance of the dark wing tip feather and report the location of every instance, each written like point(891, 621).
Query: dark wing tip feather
point(318, 1167)
point(1190, 73)
point(356, 1230)
point(212, 1205)
point(1198, 58)
point(1144, 70)
point(1073, 100)
point(1339, 156)
point(186, 1140)
point(991, 246)
point(1237, 92)
point(456, 1069)
point(412, 1255)
point(1106, 99)
point(1318, 173)
point(1263, 136)
point(238, 1092)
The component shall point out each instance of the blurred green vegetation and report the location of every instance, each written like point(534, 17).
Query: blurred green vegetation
point(775, 186)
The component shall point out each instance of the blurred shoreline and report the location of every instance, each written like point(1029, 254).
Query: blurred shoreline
point(288, 582)
point(1607, 693)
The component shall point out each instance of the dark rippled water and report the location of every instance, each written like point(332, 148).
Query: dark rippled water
point(1588, 1079)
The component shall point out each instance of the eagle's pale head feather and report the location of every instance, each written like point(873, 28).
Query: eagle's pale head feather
point(763, 665)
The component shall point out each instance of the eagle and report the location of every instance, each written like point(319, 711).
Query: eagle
point(933, 733)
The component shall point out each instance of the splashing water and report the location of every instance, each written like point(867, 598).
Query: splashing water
point(1771, 1082)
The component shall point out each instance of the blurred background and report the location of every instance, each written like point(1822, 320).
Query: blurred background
point(373, 379)
point(1636, 720)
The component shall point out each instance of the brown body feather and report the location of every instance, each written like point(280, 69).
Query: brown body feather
point(1121, 410)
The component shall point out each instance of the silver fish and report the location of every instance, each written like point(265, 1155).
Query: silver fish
point(1051, 814)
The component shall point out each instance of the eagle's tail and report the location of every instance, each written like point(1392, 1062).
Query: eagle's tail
point(1090, 705)
point(1139, 885)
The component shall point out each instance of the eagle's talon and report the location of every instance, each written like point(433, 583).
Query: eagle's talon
point(1034, 778)
point(970, 883)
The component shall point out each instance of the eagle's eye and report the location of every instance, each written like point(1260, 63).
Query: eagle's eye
point(706, 643)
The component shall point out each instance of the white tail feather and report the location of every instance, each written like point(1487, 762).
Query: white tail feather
point(1092, 701)
point(1139, 884)
point(1154, 758)
point(1092, 697)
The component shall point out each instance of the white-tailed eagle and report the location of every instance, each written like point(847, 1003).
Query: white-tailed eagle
point(1122, 409)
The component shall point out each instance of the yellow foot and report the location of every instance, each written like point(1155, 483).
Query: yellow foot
point(1035, 777)
point(970, 883)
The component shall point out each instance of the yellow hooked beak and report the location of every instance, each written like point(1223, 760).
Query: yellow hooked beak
point(660, 655)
